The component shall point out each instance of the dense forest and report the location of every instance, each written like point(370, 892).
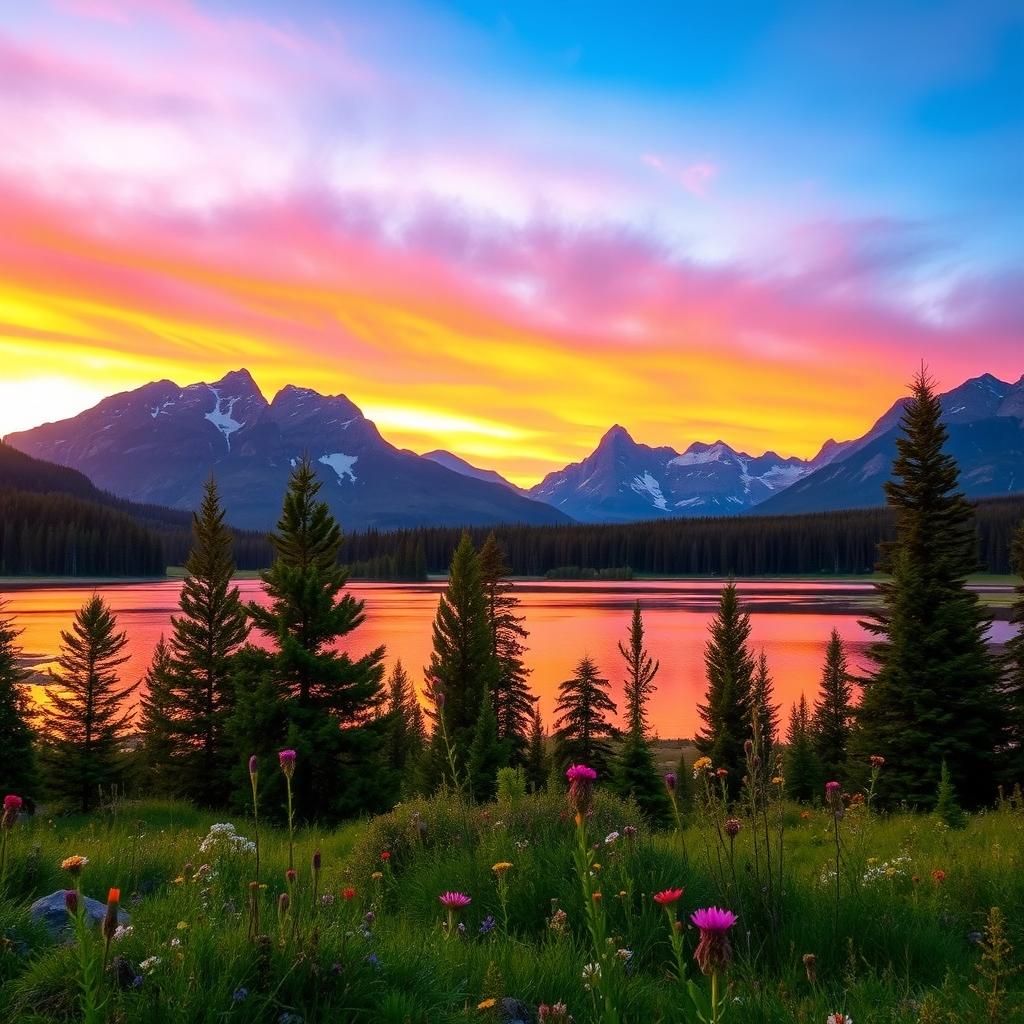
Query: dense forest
point(816, 543)
point(60, 535)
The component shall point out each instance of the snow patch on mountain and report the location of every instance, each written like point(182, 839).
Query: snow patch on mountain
point(341, 464)
point(716, 453)
point(161, 410)
point(647, 485)
point(221, 415)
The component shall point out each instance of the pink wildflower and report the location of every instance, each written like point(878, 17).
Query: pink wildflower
point(287, 760)
point(454, 900)
point(713, 952)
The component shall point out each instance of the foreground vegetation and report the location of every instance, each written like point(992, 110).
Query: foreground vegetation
point(365, 938)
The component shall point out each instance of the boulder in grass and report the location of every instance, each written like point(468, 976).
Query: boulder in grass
point(513, 1011)
point(51, 912)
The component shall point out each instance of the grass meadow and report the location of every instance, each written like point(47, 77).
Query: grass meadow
point(365, 938)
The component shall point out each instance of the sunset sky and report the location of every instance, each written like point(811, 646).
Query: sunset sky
point(500, 228)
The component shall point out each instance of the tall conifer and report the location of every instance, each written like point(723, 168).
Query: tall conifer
point(802, 768)
point(933, 694)
point(1013, 684)
point(86, 718)
point(636, 773)
point(583, 731)
point(303, 692)
point(513, 702)
point(833, 712)
point(463, 668)
point(727, 708)
point(537, 760)
point(199, 695)
point(19, 772)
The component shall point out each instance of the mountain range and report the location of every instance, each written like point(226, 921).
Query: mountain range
point(158, 443)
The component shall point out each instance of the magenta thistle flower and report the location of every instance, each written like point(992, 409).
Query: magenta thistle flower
point(670, 781)
point(287, 759)
point(713, 952)
point(732, 827)
point(454, 900)
point(580, 773)
point(253, 765)
point(12, 802)
point(831, 788)
point(581, 784)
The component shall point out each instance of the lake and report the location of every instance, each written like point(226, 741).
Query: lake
point(790, 620)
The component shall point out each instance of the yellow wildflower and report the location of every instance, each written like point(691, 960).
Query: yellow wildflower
point(182, 925)
point(73, 865)
point(700, 764)
point(501, 867)
point(377, 876)
point(776, 780)
point(487, 1004)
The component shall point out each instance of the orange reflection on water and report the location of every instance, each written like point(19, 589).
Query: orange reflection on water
point(791, 621)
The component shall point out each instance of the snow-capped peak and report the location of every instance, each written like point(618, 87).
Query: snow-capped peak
point(221, 414)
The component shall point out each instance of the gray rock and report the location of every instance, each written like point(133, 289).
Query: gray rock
point(515, 1012)
point(51, 912)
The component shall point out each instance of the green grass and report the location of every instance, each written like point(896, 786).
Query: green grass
point(898, 952)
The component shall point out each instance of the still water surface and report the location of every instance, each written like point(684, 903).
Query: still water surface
point(791, 621)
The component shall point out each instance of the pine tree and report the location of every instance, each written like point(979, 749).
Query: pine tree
point(636, 773)
point(934, 692)
point(19, 773)
point(803, 772)
point(404, 729)
point(1013, 680)
point(765, 713)
point(86, 718)
point(462, 667)
point(684, 783)
point(487, 753)
point(537, 761)
point(156, 752)
point(833, 712)
point(513, 702)
point(583, 733)
point(199, 694)
point(303, 693)
point(726, 712)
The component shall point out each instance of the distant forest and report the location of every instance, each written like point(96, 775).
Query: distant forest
point(54, 521)
point(826, 543)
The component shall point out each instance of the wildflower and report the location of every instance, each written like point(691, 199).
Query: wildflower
point(915, 879)
point(501, 867)
point(454, 900)
point(748, 747)
point(385, 855)
point(596, 867)
point(109, 925)
point(776, 780)
point(369, 917)
point(581, 785)
point(150, 964)
point(667, 896)
point(831, 788)
point(591, 975)
point(938, 876)
point(556, 1014)
point(122, 931)
point(182, 926)
point(222, 839)
point(290, 875)
point(596, 897)
point(137, 981)
point(838, 1018)
point(71, 901)
point(810, 960)
point(316, 862)
point(713, 952)
point(721, 772)
point(377, 876)
point(240, 995)
point(73, 865)
point(610, 838)
point(857, 799)
point(175, 943)
point(12, 804)
point(348, 894)
point(701, 764)
point(629, 831)
point(487, 1004)
point(877, 761)
point(671, 779)
point(283, 902)
point(286, 758)
point(732, 827)
point(804, 815)
point(558, 921)
point(253, 772)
